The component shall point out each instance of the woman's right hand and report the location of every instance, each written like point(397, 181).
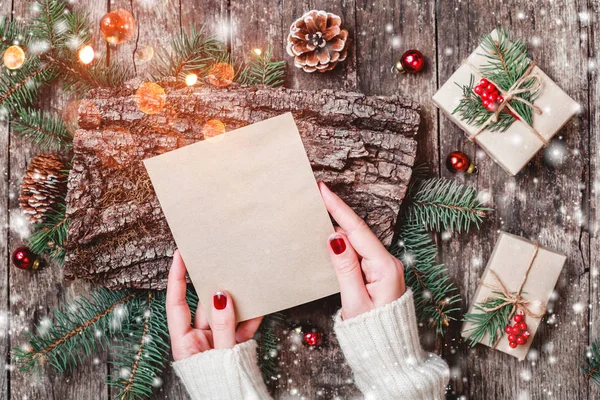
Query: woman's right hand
point(369, 276)
point(222, 333)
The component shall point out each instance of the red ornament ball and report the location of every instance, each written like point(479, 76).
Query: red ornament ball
point(512, 337)
point(513, 345)
point(526, 334)
point(521, 340)
point(522, 325)
point(313, 338)
point(23, 258)
point(508, 329)
point(458, 161)
point(411, 61)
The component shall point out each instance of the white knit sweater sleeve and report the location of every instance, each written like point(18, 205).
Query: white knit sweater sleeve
point(228, 374)
point(382, 348)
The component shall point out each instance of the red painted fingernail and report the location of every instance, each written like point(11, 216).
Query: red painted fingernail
point(220, 300)
point(338, 245)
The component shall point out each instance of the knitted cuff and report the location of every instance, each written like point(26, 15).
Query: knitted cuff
point(223, 374)
point(382, 347)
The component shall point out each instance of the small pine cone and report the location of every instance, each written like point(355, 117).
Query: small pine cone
point(44, 184)
point(317, 42)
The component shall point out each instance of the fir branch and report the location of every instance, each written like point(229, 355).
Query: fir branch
point(262, 70)
point(20, 88)
point(506, 62)
point(50, 24)
point(268, 344)
point(48, 132)
point(78, 329)
point(441, 204)
point(591, 364)
point(11, 33)
point(435, 296)
point(191, 52)
point(491, 323)
point(50, 236)
point(142, 356)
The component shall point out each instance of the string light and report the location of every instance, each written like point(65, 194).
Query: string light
point(257, 51)
point(191, 79)
point(86, 54)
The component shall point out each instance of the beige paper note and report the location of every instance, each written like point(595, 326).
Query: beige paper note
point(247, 217)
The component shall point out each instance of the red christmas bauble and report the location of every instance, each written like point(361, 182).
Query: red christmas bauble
point(411, 61)
point(313, 338)
point(458, 161)
point(24, 258)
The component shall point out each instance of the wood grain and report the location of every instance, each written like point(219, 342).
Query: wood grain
point(556, 205)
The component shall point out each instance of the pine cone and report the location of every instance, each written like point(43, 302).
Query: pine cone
point(44, 184)
point(317, 42)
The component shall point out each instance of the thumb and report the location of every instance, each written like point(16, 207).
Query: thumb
point(222, 321)
point(355, 299)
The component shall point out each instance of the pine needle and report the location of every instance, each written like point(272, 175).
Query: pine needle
point(435, 296)
point(268, 344)
point(591, 364)
point(48, 132)
point(262, 70)
point(12, 33)
point(50, 236)
point(78, 329)
point(488, 323)
point(441, 204)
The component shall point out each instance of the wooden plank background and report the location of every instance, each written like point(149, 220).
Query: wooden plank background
point(554, 204)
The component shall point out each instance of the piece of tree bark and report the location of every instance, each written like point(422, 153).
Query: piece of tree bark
point(362, 146)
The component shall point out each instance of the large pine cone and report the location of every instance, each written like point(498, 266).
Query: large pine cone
point(44, 185)
point(317, 42)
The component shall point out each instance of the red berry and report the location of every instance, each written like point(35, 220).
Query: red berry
point(483, 82)
point(478, 90)
point(518, 317)
point(485, 102)
point(493, 96)
point(512, 337)
point(521, 340)
point(526, 334)
point(491, 106)
point(500, 99)
point(512, 344)
point(522, 326)
point(490, 87)
point(516, 329)
point(508, 329)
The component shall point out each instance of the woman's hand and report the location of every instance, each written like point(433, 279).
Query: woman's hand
point(369, 276)
point(187, 340)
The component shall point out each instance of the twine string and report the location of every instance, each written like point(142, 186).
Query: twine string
point(511, 94)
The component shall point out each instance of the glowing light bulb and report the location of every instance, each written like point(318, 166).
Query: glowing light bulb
point(86, 54)
point(257, 51)
point(14, 57)
point(191, 79)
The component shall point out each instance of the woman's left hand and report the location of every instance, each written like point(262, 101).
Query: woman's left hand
point(221, 333)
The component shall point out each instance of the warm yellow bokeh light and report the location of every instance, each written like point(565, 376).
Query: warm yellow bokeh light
point(257, 51)
point(86, 54)
point(191, 79)
point(14, 57)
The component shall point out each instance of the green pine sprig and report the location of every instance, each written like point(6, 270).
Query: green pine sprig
point(142, 355)
point(262, 70)
point(12, 32)
point(20, 88)
point(50, 236)
point(506, 62)
point(190, 52)
point(79, 329)
point(436, 297)
point(48, 132)
point(268, 344)
point(591, 363)
point(441, 204)
point(491, 323)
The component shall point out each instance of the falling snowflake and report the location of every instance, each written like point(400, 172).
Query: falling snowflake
point(578, 308)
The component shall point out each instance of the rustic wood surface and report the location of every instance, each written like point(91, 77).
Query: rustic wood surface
point(554, 204)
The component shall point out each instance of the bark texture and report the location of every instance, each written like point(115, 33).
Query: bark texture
point(362, 146)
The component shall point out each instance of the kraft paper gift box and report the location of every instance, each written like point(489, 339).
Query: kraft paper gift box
point(247, 216)
point(510, 260)
point(514, 148)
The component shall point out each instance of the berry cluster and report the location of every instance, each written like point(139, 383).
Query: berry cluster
point(517, 333)
point(490, 98)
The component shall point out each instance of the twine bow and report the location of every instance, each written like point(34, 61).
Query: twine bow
point(511, 94)
point(532, 308)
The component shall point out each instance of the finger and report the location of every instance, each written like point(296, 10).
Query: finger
point(223, 321)
point(200, 320)
point(178, 311)
point(355, 299)
point(247, 329)
point(363, 240)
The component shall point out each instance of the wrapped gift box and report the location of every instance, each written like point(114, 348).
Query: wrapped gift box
point(515, 147)
point(510, 260)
